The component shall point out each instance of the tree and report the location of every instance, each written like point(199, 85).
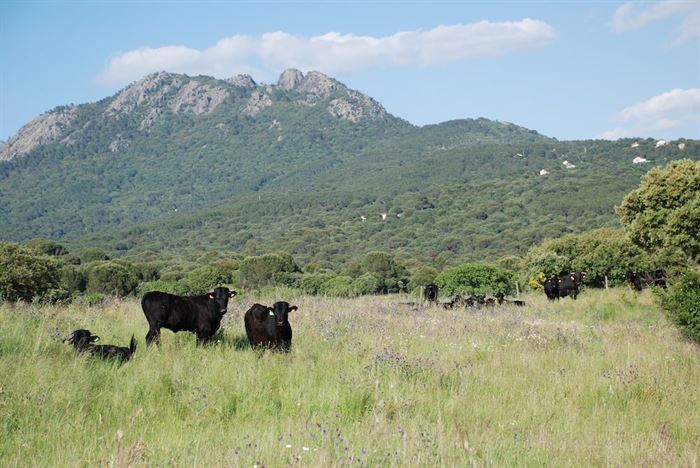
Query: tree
point(24, 273)
point(46, 247)
point(108, 277)
point(665, 210)
point(475, 278)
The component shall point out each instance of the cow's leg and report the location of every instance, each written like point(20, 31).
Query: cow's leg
point(153, 335)
point(204, 336)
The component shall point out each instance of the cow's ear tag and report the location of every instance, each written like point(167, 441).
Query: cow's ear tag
point(211, 296)
point(272, 314)
point(573, 278)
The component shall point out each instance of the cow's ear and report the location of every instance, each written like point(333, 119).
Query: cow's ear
point(211, 296)
point(232, 294)
point(293, 308)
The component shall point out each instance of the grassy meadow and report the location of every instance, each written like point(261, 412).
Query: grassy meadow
point(605, 380)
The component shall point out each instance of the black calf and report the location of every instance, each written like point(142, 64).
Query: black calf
point(83, 341)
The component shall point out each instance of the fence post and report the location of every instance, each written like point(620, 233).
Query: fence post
point(517, 291)
point(606, 281)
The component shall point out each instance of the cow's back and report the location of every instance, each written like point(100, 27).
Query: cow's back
point(171, 311)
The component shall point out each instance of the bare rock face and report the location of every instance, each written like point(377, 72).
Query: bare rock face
point(161, 91)
point(119, 144)
point(47, 128)
point(243, 81)
point(257, 102)
point(318, 84)
point(355, 107)
point(198, 98)
point(290, 79)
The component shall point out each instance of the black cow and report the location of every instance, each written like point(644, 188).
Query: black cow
point(568, 284)
point(551, 287)
point(645, 279)
point(269, 327)
point(198, 314)
point(83, 341)
point(430, 293)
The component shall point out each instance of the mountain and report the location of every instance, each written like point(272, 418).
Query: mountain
point(176, 163)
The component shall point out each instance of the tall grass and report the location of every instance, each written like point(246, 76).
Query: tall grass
point(604, 380)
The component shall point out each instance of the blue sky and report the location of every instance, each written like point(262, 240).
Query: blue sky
point(570, 70)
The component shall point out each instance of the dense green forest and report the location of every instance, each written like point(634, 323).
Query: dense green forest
point(292, 176)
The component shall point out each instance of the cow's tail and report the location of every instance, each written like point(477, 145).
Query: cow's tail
point(132, 345)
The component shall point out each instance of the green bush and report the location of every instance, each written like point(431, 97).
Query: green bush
point(24, 273)
point(682, 304)
point(203, 279)
point(475, 278)
point(313, 283)
point(92, 298)
point(255, 272)
point(366, 284)
point(73, 279)
point(172, 287)
point(111, 278)
point(92, 254)
point(340, 286)
point(46, 247)
point(421, 276)
point(392, 275)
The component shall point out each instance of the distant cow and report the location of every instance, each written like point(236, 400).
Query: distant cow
point(269, 327)
point(551, 287)
point(568, 284)
point(645, 279)
point(198, 314)
point(83, 341)
point(430, 293)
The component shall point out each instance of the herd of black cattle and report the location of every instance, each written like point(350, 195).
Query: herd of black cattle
point(268, 327)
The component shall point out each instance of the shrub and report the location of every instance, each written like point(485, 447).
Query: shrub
point(313, 283)
point(340, 286)
point(92, 298)
point(475, 278)
point(46, 247)
point(24, 273)
point(421, 276)
point(392, 275)
point(682, 304)
point(366, 284)
point(172, 287)
point(256, 272)
point(203, 279)
point(111, 278)
point(92, 254)
point(73, 279)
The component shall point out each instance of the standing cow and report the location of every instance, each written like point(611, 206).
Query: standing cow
point(430, 293)
point(269, 327)
point(551, 287)
point(198, 314)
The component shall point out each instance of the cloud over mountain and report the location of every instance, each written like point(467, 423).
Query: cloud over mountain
point(332, 52)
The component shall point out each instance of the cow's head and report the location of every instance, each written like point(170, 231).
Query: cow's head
point(578, 276)
point(280, 310)
point(221, 296)
point(81, 338)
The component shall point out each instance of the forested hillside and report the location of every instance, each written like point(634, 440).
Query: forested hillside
point(177, 164)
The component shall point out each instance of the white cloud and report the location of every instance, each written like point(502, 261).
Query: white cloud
point(666, 111)
point(333, 52)
point(627, 17)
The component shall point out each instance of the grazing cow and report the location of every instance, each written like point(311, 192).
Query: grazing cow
point(430, 293)
point(269, 327)
point(645, 279)
point(198, 314)
point(83, 341)
point(551, 287)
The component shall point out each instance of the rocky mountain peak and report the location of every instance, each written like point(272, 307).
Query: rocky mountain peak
point(47, 128)
point(244, 81)
point(290, 79)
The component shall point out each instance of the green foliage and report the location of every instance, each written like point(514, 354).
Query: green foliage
point(665, 210)
point(421, 276)
point(391, 274)
point(682, 304)
point(110, 278)
point(172, 287)
point(341, 286)
point(365, 284)
point(204, 279)
point(24, 273)
point(91, 298)
point(598, 253)
point(73, 279)
point(92, 254)
point(313, 283)
point(46, 247)
point(475, 278)
point(259, 271)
